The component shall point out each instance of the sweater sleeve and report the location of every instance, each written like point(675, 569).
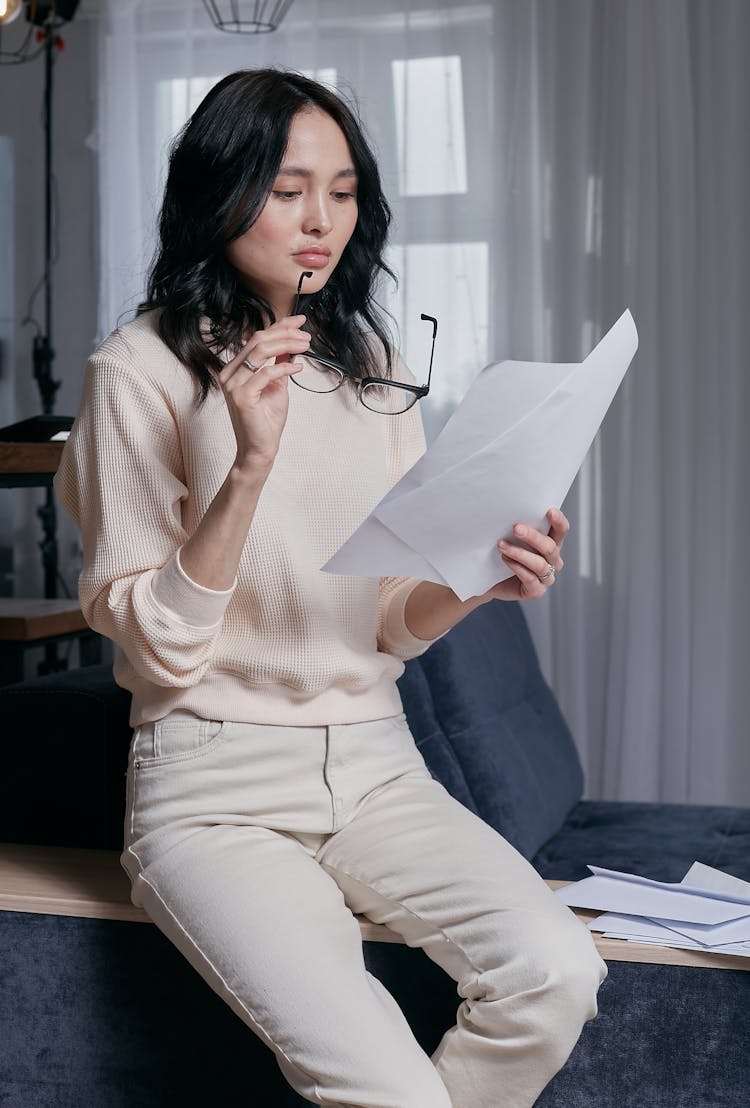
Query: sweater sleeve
point(121, 479)
point(406, 444)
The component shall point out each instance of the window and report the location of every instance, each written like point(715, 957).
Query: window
point(432, 159)
point(449, 281)
point(426, 110)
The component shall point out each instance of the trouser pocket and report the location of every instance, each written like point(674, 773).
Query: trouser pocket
point(176, 738)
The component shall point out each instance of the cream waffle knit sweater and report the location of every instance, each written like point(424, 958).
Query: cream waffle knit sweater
point(287, 644)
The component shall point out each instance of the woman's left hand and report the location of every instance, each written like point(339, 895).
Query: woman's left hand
point(534, 568)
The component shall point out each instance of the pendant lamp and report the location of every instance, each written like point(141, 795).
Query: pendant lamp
point(247, 17)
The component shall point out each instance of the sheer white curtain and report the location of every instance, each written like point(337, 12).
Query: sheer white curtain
point(548, 164)
point(627, 190)
point(422, 81)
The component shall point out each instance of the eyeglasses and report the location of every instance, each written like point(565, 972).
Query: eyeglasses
point(322, 373)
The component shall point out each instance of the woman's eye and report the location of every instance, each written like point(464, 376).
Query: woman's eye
point(286, 195)
point(344, 196)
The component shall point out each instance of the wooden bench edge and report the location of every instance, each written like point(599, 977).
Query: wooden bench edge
point(91, 884)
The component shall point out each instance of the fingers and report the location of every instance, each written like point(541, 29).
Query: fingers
point(532, 561)
point(535, 564)
point(251, 383)
point(559, 525)
point(280, 341)
point(530, 586)
point(539, 550)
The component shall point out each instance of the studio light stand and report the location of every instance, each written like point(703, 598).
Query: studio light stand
point(44, 21)
point(43, 353)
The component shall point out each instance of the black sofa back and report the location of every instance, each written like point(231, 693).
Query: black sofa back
point(485, 721)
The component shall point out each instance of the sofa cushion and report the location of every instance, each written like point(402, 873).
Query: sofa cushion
point(442, 759)
point(109, 1014)
point(660, 841)
point(664, 1037)
point(493, 729)
point(66, 749)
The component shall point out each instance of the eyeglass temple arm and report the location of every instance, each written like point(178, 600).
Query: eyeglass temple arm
point(307, 273)
point(427, 318)
point(430, 319)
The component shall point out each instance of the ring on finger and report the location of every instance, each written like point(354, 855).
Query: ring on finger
point(250, 366)
point(549, 572)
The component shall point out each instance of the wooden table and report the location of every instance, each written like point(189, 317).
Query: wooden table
point(29, 464)
point(65, 881)
point(27, 621)
point(41, 622)
point(46, 622)
point(29, 459)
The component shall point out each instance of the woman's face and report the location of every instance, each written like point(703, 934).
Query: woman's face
point(308, 218)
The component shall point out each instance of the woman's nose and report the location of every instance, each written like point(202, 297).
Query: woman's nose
point(317, 216)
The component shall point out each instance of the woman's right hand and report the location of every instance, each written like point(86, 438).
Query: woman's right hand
point(258, 400)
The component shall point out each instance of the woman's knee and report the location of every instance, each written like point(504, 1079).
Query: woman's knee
point(555, 972)
point(566, 973)
point(578, 976)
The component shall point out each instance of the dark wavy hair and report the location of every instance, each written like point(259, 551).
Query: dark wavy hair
point(222, 167)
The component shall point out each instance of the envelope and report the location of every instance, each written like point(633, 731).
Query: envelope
point(708, 910)
point(627, 894)
point(641, 930)
point(510, 451)
point(710, 936)
point(633, 927)
point(700, 880)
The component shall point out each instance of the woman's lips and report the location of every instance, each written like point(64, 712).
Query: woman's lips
point(316, 259)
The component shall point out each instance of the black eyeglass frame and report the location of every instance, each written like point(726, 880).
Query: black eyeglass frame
point(418, 391)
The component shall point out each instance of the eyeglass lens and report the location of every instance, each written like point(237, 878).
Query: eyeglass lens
point(318, 376)
point(387, 399)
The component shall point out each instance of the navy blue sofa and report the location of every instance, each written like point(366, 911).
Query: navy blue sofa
point(108, 1014)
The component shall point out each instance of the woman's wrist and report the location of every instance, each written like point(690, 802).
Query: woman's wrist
point(249, 471)
point(211, 555)
point(432, 609)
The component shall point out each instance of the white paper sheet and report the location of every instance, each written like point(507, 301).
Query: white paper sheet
point(734, 890)
point(509, 452)
point(641, 930)
point(656, 900)
point(738, 949)
point(604, 894)
point(708, 878)
point(703, 892)
point(632, 927)
point(707, 935)
point(712, 935)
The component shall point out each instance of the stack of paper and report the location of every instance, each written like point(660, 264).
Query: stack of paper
point(708, 910)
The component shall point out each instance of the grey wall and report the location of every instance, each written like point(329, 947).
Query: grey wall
point(75, 272)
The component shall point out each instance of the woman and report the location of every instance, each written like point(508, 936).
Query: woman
point(273, 785)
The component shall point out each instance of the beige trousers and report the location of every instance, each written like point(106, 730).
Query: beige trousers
point(251, 846)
